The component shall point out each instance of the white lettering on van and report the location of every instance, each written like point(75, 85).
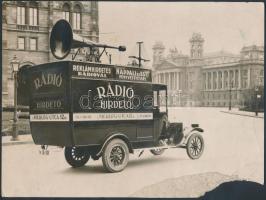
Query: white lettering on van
point(115, 91)
point(48, 79)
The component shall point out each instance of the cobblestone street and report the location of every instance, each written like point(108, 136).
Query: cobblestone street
point(233, 150)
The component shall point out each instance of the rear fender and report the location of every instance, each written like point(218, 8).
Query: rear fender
point(113, 136)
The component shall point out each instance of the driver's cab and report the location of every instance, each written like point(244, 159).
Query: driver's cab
point(159, 100)
point(160, 109)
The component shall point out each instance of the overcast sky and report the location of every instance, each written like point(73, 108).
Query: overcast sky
point(224, 26)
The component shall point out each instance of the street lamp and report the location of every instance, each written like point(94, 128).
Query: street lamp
point(179, 97)
point(230, 94)
point(257, 97)
point(15, 67)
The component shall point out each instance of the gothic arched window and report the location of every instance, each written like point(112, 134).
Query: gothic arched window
point(66, 12)
point(77, 17)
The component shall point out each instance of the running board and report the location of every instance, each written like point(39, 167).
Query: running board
point(162, 147)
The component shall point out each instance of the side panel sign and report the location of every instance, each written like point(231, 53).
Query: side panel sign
point(111, 116)
point(55, 117)
point(102, 71)
point(100, 100)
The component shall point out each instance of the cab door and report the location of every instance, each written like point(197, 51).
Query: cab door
point(145, 125)
point(160, 110)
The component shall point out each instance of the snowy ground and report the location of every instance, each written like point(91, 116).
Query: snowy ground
point(234, 148)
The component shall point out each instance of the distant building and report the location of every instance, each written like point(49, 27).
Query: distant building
point(208, 79)
point(26, 26)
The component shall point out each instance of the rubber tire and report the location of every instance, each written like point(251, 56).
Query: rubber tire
point(157, 153)
point(72, 161)
point(106, 155)
point(190, 155)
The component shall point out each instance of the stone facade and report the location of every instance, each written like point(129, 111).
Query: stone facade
point(208, 79)
point(32, 22)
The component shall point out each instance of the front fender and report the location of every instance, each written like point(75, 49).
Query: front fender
point(190, 132)
point(198, 129)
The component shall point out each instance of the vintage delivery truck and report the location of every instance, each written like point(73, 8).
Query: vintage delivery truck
point(105, 111)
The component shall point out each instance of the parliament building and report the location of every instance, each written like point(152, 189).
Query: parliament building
point(26, 27)
point(215, 79)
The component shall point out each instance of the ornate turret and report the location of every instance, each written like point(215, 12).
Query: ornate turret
point(253, 53)
point(196, 46)
point(158, 52)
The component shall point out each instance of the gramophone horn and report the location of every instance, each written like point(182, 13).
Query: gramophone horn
point(61, 39)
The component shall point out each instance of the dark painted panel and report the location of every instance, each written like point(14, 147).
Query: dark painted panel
point(95, 133)
point(143, 144)
point(48, 85)
point(51, 133)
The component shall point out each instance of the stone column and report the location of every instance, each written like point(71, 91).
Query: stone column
point(179, 82)
point(222, 80)
point(207, 80)
point(169, 81)
point(173, 77)
point(172, 80)
point(239, 78)
point(212, 81)
point(207, 77)
point(234, 81)
point(228, 79)
point(175, 80)
point(248, 77)
point(204, 81)
point(217, 80)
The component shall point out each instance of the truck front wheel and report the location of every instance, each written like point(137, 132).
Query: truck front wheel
point(157, 151)
point(115, 155)
point(195, 146)
point(76, 156)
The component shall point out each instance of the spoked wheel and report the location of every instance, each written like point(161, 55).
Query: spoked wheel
point(76, 156)
point(157, 151)
point(115, 155)
point(195, 146)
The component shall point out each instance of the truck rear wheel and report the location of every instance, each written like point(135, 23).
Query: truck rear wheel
point(115, 155)
point(76, 156)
